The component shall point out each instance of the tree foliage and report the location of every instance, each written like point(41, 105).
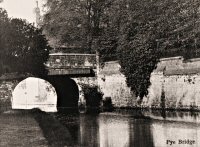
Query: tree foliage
point(138, 55)
point(23, 48)
point(136, 32)
point(79, 23)
point(154, 29)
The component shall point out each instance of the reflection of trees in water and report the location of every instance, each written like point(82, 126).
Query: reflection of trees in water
point(84, 129)
point(175, 115)
point(108, 130)
point(55, 132)
point(72, 123)
point(163, 113)
point(114, 131)
point(119, 130)
point(140, 133)
point(89, 130)
point(195, 115)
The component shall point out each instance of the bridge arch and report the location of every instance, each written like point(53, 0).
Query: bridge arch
point(34, 93)
point(67, 92)
point(67, 71)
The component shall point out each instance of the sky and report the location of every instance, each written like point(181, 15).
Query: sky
point(21, 8)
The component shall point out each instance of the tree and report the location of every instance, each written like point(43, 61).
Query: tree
point(154, 29)
point(142, 31)
point(137, 46)
point(23, 48)
point(77, 23)
point(4, 21)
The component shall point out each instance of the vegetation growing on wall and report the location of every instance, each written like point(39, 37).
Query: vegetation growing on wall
point(92, 95)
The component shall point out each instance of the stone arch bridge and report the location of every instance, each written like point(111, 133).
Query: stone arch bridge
point(67, 72)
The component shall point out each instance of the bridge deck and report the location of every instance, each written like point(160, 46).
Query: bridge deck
point(70, 64)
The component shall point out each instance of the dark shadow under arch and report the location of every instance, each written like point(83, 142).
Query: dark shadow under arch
point(67, 92)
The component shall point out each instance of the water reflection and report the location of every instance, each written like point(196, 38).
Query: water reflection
point(113, 131)
point(123, 130)
point(89, 130)
point(174, 115)
point(176, 132)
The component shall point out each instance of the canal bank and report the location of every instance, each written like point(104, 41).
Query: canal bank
point(33, 128)
point(20, 129)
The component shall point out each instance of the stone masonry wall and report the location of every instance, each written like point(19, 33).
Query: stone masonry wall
point(6, 89)
point(60, 60)
point(113, 84)
point(176, 78)
point(179, 81)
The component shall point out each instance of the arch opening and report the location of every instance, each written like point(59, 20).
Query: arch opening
point(67, 92)
point(34, 93)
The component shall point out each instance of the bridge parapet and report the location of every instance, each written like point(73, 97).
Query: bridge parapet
point(69, 64)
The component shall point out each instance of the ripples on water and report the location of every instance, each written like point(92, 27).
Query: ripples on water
point(121, 129)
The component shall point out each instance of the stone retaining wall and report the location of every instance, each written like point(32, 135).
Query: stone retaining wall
point(6, 89)
point(179, 81)
point(176, 79)
point(113, 84)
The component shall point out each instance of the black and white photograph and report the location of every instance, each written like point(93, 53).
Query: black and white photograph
point(99, 73)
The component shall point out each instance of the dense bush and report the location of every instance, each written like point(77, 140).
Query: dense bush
point(92, 96)
point(107, 104)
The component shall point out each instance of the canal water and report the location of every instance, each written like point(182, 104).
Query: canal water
point(124, 129)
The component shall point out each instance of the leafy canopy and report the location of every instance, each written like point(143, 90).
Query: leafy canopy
point(80, 23)
point(136, 32)
point(154, 29)
point(23, 48)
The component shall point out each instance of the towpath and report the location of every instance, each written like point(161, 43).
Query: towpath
point(34, 128)
point(20, 129)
